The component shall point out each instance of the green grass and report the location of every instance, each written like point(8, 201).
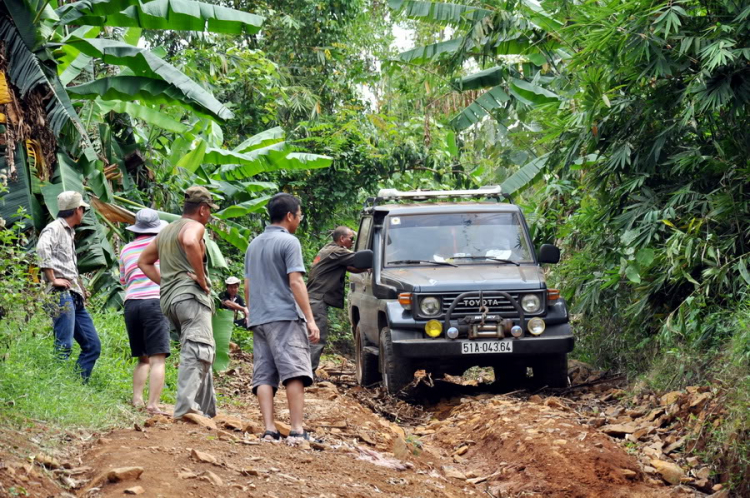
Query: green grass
point(35, 386)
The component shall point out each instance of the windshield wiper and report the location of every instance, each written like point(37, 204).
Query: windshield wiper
point(491, 258)
point(417, 261)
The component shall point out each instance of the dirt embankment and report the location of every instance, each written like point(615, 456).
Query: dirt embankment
point(469, 443)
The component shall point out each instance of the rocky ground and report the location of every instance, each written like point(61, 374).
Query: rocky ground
point(453, 437)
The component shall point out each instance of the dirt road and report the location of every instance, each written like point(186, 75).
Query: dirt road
point(468, 443)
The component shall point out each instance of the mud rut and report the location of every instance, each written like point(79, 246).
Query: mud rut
point(448, 439)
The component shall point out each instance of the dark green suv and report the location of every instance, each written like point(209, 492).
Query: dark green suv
point(455, 283)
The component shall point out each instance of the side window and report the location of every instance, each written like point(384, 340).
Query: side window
point(363, 237)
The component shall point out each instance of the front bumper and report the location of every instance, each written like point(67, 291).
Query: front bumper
point(448, 348)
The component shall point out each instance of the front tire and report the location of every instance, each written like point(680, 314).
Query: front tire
point(366, 363)
point(551, 371)
point(510, 375)
point(397, 372)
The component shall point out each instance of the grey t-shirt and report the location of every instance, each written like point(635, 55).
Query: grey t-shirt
point(269, 260)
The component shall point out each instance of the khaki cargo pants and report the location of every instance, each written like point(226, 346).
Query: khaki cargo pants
point(195, 382)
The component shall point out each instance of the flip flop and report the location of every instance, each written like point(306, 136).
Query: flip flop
point(157, 412)
point(274, 435)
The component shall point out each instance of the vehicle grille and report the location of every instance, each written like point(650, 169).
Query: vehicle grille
point(498, 305)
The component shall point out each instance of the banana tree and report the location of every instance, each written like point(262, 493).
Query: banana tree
point(517, 45)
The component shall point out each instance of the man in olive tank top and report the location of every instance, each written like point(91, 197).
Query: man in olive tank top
point(185, 299)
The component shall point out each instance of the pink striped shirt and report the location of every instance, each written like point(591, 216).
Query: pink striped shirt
point(137, 285)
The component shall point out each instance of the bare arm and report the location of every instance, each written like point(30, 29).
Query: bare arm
point(191, 238)
point(233, 306)
point(147, 262)
point(299, 289)
point(352, 269)
point(63, 283)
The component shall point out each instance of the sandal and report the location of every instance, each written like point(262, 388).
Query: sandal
point(270, 436)
point(303, 435)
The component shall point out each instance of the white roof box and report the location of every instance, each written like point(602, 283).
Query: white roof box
point(420, 195)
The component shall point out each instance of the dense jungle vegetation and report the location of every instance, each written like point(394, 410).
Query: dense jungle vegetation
point(620, 126)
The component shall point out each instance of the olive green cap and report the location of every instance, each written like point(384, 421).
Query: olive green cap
point(198, 195)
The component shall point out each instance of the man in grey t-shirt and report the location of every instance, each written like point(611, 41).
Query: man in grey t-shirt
point(279, 307)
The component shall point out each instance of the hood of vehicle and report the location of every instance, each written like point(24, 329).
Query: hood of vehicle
point(464, 278)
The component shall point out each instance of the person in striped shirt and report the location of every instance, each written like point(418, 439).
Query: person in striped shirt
point(148, 329)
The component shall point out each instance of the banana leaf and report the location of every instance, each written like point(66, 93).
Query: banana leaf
point(450, 13)
point(482, 79)
point(223, 325)
point(433, 51)
point(66, 177)
point(244, 208)
point(233, 233)
point(524, 176)
point(143, 63)
point(26, 72)
point(481, 107)
point(19, 194)
point(175, 15)
point(262, 139)
point(73, 11)
point(146, 90)
point(147, 114)
point(72, 62)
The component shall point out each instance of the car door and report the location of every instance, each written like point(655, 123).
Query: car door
point(360, 284)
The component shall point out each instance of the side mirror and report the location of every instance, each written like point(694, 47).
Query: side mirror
point(363, 259)
point(548, 254)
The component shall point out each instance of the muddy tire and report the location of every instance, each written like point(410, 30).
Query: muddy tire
point(366, 363)
point(396, 372)
point(551, 371)
point(510, 376)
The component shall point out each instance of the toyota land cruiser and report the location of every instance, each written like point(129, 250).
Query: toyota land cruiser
point(455, 283)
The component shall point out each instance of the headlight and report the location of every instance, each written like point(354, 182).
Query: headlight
point(433, 328)
point(430, 306)
point(536, 326)
point(531, 303)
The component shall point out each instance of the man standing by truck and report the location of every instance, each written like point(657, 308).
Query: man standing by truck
point(280, 316)
point(186, 300)
point(327, 281)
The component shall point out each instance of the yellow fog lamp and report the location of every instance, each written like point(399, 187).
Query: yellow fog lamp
point(433, 328)
point(536, 326)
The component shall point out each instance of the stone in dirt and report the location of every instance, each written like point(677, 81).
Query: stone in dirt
point(194, 418)
point(670, 398)
point(187, 475)
point(628, 474)
point(462, 450)
point(670, 472)
point(47, 461)
point(200, 456)
point(212, 478)
point(284, 429)
point(232, 423)
point(156, 419)
point(117, 475)
point(453, 473)
point(135, 490)
point(535, 399)
point(703, 473)
point(253, 428)
point(249, 471)
point(619, 430)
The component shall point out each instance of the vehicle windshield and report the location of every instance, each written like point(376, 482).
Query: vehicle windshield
point(458, 238)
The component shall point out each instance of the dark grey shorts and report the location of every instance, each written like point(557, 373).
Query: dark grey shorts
point(281, 352)
point(147, 327)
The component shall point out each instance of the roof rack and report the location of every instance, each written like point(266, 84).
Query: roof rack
point(389, 194)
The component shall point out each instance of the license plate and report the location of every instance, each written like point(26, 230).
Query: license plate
point(486, 347)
